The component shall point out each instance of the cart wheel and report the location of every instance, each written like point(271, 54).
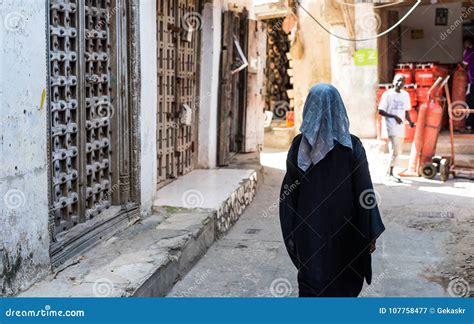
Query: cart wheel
point(444, 169)
point(436, 159)
point(428, 170)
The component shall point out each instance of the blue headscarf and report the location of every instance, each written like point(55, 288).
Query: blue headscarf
point(325, 122)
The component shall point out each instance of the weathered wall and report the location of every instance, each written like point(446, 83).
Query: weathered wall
point(24, 244)
point(436, 45)
point(209, 83)
point(357, 84)
point(329, 59)
point(315, 65)
point(148, 109)
point(255, 86)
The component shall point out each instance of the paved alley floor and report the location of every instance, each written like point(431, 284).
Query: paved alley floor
point(426, 249)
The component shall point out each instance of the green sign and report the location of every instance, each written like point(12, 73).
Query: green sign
point(366, 56)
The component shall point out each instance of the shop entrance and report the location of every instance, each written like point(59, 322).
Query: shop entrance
point(279, 94)
point(233, 86)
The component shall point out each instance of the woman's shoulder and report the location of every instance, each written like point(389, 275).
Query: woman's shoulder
point(355, 140)
point(294, 147)
point(357, 147)
point(297, 138)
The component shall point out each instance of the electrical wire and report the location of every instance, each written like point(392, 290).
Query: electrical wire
point(375, 7)
point(298, 4)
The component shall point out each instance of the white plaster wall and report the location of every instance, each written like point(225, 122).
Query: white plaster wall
point(24, 243)
point(209, 83)
point(148, 109)
point(357, 84)
point(315, 65)
point(433, 46)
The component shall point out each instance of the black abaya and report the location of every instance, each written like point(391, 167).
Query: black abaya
point(329, 218)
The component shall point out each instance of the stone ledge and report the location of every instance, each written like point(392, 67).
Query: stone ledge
point(148, 258)
point(225, 191)
point(145, 260)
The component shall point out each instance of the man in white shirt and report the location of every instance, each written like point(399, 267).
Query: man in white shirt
point(394, 106)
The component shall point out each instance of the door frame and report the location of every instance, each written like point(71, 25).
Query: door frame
point(176, 29)
point(126, 165)
point(232, 88)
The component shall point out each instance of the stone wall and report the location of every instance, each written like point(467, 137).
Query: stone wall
point(230, 211)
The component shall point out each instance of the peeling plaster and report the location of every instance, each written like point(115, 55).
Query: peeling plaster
point(24, 247)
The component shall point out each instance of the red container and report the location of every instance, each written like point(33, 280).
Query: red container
point(424, 76)
point(290, 118)
point(378, 118)
point(431, 130)
point(458, 92)
point(426, 135)
point(405, 69)
point(382, 88)
point(422, 94)
point(440, 71)
point(411, 89)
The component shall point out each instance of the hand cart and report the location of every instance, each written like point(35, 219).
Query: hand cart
point(450, 166)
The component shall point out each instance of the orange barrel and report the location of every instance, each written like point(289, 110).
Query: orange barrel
point(440, 70)
point(432, 125)
point(424, 75)
point(405, 69)
point(378, 118)
point(410, 132)
point(458, 94)
point(417, 145)
point(381, 89)
point(422, 94)
point(411, 89)
point(290, 118)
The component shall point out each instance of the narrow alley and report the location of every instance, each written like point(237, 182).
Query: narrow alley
point(424, 251)
point(144, 143)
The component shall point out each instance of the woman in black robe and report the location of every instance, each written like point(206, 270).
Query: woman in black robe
point(328, 207)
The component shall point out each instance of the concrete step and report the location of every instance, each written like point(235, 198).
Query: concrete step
point(144, 260)
point(149, 257)
point(225, 191)
point(279, 137)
